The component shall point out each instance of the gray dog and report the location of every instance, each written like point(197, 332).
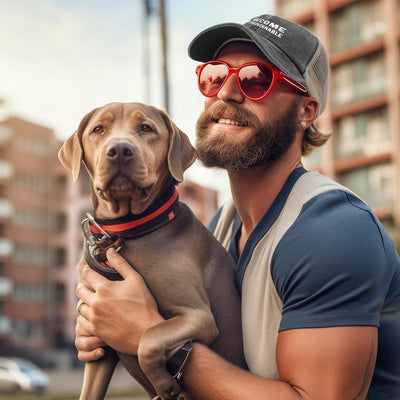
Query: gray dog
point(135, 155)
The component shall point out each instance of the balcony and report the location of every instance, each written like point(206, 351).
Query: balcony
point(6, 209)
point(5, 248)
point(5, 286)
point(5, 326)
point(6, 171)
point(5, 134)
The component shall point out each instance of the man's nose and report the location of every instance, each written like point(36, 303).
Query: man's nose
point(230, 91)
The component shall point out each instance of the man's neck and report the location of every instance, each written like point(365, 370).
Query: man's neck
point(255, 189)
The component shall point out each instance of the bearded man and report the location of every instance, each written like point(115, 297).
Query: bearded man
point(318, 275)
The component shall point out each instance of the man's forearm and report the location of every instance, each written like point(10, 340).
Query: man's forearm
point(209, 377)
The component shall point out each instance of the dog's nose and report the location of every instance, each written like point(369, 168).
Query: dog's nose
point(120, 152)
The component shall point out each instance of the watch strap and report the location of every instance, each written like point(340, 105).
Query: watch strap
point(177, 361)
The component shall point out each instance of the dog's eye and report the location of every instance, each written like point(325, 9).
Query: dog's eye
point(146, 129)
point(98, 129)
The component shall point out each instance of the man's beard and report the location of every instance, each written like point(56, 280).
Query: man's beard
point(265, 144)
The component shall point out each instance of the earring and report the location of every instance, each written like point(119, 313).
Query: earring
point(303, 124)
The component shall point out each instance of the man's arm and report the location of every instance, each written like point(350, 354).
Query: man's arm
point(314, 364)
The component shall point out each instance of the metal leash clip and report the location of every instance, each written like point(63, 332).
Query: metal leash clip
point(90, 237)
point(96, 246)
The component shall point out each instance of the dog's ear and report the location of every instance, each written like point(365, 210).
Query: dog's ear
point(70, 155)
point(71, 152)
point(181, 154)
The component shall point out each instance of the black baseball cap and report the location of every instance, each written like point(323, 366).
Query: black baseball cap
point(290, 47)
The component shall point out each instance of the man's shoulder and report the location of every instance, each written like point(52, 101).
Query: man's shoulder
point(337, 232)
point(329, 218)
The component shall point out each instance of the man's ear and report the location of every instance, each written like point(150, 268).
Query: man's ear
point(308, 110)
point(71, 152)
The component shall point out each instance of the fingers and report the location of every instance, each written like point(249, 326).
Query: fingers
point(87, 356)
point(119, 263)
point(91, 278)
point(94, 280)
point(85, 295)
point(90, 348)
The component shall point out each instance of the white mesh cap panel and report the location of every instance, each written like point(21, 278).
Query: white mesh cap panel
point(317, 77)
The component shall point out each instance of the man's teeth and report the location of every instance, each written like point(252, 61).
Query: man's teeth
point(228, 121)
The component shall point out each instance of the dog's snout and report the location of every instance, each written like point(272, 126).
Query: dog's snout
point(120, 151)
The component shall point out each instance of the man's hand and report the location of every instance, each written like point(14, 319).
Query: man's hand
point(90, 348)
point(115, 312)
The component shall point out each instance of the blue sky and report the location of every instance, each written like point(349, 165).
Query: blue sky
point(61, 58)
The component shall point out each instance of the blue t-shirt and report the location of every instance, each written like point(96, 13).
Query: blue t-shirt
point(335, 266)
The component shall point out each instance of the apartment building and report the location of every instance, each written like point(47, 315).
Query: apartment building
point(363, 42)
point(27, 158)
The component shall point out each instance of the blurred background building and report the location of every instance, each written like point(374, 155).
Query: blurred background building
point(27, 222)
point(41, 208)
point(362, 39)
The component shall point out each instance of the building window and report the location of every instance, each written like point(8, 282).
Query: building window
point(32, 145)
point(362, 134)
point(30, 255)
point(30, 181)
point(61, 222)
point(28, 329)
point(61, 184)
point(374, 184)
point(31, 293)
point(359, 78)
point(37, 330)
point(60, 293)
point(20, 328)
point(359, 22)
point(292, 7)
point(61, 256)
point(30, 219)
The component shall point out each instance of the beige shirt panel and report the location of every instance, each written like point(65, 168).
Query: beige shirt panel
point(261, 304)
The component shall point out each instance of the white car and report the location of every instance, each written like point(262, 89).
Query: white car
point(17, 374)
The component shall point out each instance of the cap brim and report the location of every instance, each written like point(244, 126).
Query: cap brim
point(207, 44)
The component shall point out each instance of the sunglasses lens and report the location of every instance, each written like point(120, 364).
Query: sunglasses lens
point(255, 80)
point(212, 77)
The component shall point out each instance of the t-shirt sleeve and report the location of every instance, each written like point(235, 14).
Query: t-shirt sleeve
point(330, 268)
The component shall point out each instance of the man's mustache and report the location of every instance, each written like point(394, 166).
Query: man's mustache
point(230, 111)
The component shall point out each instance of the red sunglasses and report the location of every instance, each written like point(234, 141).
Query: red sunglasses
point(254, 80)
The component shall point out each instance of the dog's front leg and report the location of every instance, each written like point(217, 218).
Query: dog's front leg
point(157, 342)
point(97, 376)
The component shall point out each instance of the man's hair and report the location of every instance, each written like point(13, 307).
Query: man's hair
point(313, 137)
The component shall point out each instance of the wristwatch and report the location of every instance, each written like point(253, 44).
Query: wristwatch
point(177, 361)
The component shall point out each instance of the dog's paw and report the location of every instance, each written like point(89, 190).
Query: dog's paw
point(170, 391)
